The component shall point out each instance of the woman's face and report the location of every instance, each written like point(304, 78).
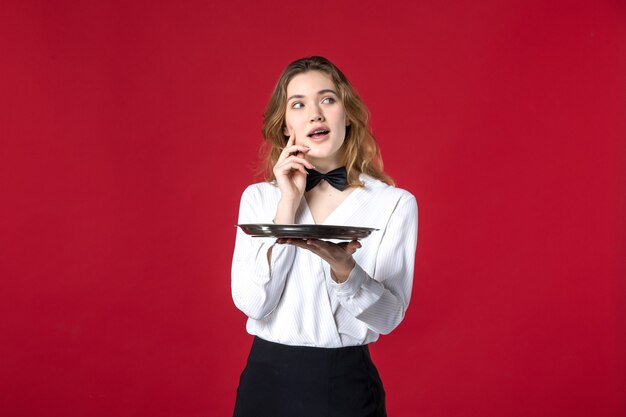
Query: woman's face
point(317, 118)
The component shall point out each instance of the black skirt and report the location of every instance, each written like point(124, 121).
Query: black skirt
point(297, 381)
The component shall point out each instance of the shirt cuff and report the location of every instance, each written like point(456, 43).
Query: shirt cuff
point(357, 280)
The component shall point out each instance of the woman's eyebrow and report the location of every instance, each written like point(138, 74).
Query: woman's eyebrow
point(319, 93)
point(295, 96)
point(328, 90)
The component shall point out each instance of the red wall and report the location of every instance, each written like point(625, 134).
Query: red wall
point(129, 129)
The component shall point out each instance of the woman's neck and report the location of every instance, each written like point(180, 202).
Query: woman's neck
point(325, 166)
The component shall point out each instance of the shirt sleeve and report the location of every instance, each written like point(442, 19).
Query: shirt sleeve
point(381, 300)
point(257, 282)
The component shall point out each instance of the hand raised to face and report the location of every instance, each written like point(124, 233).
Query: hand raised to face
point(290, 169)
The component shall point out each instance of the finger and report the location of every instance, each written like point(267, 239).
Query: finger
point(352, 243)
point(299, 150)
point(292, 139)
point(320, 246)
point(293, 150)
point(300, 160)
point(290, 142)
point(350, 250)
point(287, 167)
point(350, 247)
point(296, 149)
point(301, 243)
point(355, 244)
point(312, 242)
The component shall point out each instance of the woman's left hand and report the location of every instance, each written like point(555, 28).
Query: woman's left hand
point(338, 255)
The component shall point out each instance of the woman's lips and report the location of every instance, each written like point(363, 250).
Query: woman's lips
point(318, 137)
point(319, 134)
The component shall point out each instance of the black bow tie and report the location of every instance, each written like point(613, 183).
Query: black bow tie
point(337, 178)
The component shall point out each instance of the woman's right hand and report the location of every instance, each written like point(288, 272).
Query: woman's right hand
point(290, 176)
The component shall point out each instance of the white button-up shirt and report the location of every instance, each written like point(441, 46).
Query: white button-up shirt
point(292, 298)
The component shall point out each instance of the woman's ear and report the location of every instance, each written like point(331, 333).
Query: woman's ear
point(285, 131)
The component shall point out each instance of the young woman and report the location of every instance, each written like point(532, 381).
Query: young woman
point(314, 305)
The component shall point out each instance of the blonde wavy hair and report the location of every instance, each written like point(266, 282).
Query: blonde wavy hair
point(361, 153)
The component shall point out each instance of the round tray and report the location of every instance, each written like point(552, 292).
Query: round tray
point(306, 231)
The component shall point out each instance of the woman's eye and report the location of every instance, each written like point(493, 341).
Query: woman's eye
point(297, 105)
point(328, 100)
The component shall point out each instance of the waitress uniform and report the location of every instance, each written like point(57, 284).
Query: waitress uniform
point(309, 356)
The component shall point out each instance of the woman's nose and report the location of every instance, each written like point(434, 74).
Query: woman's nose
point(316, 114)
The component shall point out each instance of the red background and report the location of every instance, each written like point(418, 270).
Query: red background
point(129, 129)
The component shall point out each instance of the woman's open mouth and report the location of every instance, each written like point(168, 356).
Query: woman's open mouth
point(319, 134)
